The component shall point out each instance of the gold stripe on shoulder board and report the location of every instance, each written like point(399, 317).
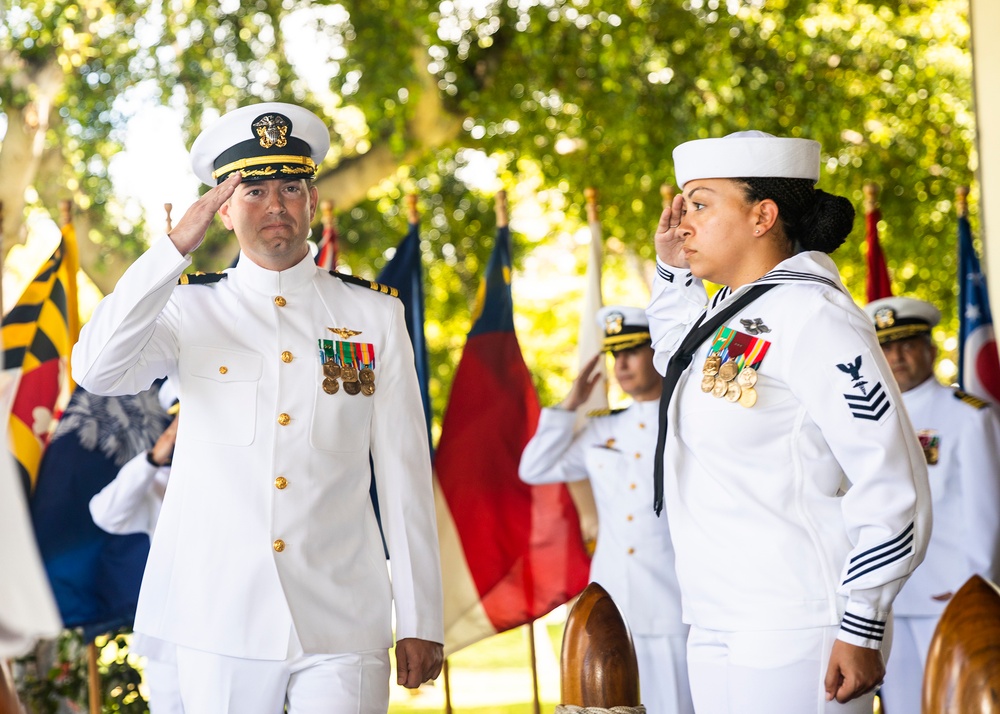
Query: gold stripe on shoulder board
point(370, 284)
point(971, 399)
point(199, 278)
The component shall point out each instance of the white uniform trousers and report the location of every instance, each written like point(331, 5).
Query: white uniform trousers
point(663, 673)
point(769, 672)
point(164, 690)
point(904, 672)
point(353, 683)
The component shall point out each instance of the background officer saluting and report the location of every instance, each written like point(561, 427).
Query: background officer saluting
point(266, 569)
point(634, 560)
point(960, 435)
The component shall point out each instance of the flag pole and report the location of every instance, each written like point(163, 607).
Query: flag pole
point(168, 207)
point(412, 214)
point(534, 668)
point(962, 201)
point(93, 679)
point(667, 193)
point(446, 674)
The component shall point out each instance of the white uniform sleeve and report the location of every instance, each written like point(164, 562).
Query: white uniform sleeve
point(123, 506)
point(552, 455)
point(837, 371)
point(130, 341)
point(677, 300)
point(979, 455)
point(401, 456)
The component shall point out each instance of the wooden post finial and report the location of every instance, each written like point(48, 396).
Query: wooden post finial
point(872, 191)
point(591, 195)
point(65, 212)
point(667, 192)
point(501, 208)
point(962, 201)
point(326, 213)
point(412, 214)
point(167, 208)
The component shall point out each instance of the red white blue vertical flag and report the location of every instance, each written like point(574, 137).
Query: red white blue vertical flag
point(978, 365)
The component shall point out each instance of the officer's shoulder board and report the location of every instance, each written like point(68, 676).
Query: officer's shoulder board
point(970, 399)
point(201, 278)
point(603, 412)
point(370, 284)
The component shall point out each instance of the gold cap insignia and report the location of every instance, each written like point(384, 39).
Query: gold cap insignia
point(885, 317)
point(613, 323)
point(272, 130)
point(344, 332)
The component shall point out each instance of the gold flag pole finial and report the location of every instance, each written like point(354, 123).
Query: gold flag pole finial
point(167, 208)
point(872, 191)
point(591, 195)
point(962, 201)
point(667, 192)
point(412, 214)
point(326, 213)
point(501, 208)
point(65, 212)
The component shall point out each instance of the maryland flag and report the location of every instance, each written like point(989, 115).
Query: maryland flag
point(38, 335)
point(510, 552)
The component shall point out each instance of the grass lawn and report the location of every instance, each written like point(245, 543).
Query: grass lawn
point(493, 676)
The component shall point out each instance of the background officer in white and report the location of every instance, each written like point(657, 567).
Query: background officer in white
point(960, 435)
point(131, 504)
point(634, 559)
point(267, 569)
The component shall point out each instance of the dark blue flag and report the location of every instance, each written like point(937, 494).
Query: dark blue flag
point(405, 273)
point(95, 576)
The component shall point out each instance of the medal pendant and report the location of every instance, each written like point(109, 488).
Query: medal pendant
point(747, 377)
point(367, 389)
point(331, 386)
point(711, 366)
point(728, 370)
point(733, 392)
point(331, 369)
point(349, 373)
point(720, 388)
point(352, 387)
point(707, 383)
point(748, 398)
point(366, 375)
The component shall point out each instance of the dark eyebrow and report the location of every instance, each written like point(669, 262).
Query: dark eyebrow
point(696, 189)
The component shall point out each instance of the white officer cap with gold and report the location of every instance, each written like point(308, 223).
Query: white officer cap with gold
point(897, 318)
point(262, 141)
point(747, 154)
point(624, 327)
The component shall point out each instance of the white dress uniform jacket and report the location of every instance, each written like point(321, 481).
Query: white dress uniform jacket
point(963, 438)
point(268, 523)
point(634, 559)
point(810, 508)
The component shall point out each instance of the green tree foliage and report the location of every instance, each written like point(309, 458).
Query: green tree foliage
point(559, 94)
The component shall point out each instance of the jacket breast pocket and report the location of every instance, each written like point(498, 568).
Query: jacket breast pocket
point(220, 395)
point(341, 422)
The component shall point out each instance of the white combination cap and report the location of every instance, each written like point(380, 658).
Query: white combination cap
point(624, 327)
point(262, 141)
point(897, 318)
point(747, 154)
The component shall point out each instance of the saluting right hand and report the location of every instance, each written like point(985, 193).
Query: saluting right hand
point(669, 243)
point(189, 232)
point(583, 385)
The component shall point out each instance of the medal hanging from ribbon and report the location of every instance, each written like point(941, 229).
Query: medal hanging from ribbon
point(331, 366)
point(348, 367)
point(730, 370)
point(366, 375)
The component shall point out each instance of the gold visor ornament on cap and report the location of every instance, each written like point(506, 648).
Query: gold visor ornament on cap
point(885, 317)
point(613, 323)
point(272, 130)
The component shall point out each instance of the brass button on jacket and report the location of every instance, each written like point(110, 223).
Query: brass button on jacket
point(280, 301)
point(283, 419)
point(280, 482)
point(279, 545)
point(286, 356)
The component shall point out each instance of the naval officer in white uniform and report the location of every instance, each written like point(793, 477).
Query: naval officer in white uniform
point(634, 559)
point(267, 570)
point(960, 436)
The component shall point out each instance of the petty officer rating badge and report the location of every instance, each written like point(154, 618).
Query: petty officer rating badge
point(870, 401)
